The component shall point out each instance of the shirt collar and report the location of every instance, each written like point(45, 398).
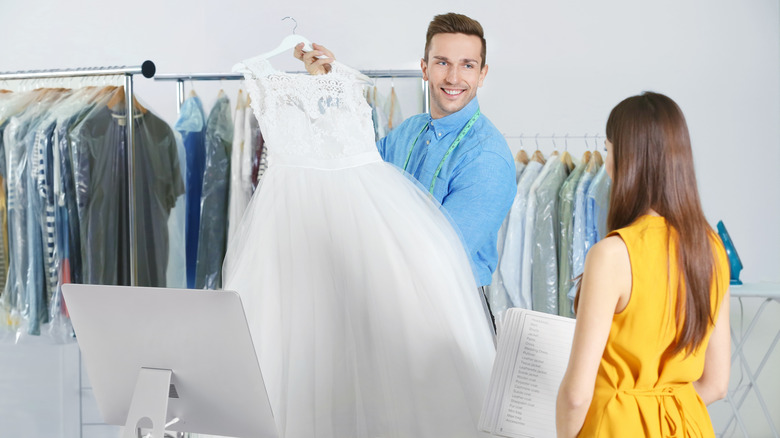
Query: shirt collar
point(455, 121)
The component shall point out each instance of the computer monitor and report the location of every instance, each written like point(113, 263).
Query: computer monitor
point(201, 336)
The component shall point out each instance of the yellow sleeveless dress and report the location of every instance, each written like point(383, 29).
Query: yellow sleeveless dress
point(638, 393)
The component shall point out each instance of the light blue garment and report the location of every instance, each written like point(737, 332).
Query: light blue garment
point(512, 256)
point(15, 294)
point(192, 127)
point(596, 204)
point(496, 292)
point(526, 275)
point(26, 287)
point(476, 183)
point(519, 167)
point(579, 240)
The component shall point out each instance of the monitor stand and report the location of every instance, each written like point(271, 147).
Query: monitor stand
point(150, 402)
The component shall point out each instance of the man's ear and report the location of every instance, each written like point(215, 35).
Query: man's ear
point(424, 68)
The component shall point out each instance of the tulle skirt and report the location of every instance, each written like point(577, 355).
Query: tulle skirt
point(362, 306)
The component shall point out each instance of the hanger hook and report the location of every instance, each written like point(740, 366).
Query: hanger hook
point(536, 139)
point(566, 142)
point(555, 146)
point(293, 19)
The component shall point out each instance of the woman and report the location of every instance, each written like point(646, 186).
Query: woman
point(651, 344)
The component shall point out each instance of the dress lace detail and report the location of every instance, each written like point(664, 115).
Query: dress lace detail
point(321, 117)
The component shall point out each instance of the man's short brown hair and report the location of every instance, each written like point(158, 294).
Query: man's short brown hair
point(455, 23)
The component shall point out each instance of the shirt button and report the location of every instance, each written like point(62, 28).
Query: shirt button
point(428, 142)
point(440, 134)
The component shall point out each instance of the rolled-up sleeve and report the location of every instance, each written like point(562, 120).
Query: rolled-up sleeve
point(480, 194)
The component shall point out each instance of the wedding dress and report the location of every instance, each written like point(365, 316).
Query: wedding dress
point(361, 302)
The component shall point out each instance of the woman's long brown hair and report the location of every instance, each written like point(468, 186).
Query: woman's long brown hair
point(653, 169)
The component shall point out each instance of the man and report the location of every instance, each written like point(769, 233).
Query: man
point(455, 151)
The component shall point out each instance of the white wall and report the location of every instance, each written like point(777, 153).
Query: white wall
point(555, 67)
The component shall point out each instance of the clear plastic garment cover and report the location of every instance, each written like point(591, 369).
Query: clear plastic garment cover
point(65, 168)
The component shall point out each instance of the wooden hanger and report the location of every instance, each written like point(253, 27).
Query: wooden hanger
point(596, 161)
point(599, 158)
point(102, 92)
point(585, 158)
point(240, 100)
point(566, 157)
point(118, 100)
point(567, 160)
point(522, 156)
point(538, 157)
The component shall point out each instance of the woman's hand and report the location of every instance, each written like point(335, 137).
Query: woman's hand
point(317, 62)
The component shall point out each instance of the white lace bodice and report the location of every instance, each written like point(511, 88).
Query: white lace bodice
point(310, 120)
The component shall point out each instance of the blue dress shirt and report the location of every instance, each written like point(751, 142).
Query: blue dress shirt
point(476, 184)
point(192, 127)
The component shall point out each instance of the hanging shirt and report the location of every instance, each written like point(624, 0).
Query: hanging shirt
point(476, 183)
point(496, 292)
point(192, 127)
point(214, 200)
point(101, 141)
point(512, 256)
point(528, 240)
point(544, 266)
point(596, 204)
point(393, 110)
point(3, 215)
point(176, 274)
point(566, 223)
point(20, 247)
point(238, 199)
point(42, 178)
point(579, 239)
point(71, 266)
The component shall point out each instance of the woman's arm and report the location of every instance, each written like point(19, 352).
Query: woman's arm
point(714, 381)
point(606, 288)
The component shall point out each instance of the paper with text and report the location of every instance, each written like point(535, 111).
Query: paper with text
point(530, 363)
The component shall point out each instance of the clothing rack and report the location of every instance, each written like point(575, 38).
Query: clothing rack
point(375, 74)
point(147, 69)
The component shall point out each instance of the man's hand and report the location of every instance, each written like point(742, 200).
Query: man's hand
point(317, 61)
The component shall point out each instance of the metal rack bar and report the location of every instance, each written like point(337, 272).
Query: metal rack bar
point(555, 137)
point(131, 179)
point(147, 69)
point(239, 76)
point(376, 74)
